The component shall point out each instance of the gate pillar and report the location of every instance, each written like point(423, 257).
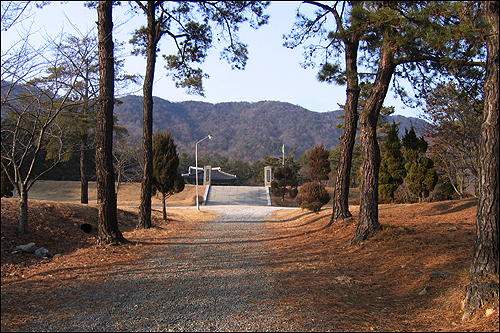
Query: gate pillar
point(207, 175)
point(268, 176)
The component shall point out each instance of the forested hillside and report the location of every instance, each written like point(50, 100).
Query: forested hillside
point(240, 130)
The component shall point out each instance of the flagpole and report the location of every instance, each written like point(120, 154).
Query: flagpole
point(283, 150)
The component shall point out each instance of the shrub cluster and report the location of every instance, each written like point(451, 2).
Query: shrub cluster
point(312, 196)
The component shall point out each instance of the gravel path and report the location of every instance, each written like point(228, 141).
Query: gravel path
point(214, 282)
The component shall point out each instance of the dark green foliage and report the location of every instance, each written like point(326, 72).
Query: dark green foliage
point(290, 161)
point(217, 22)
point(273, 162)
point(285, 182)
point(165, 162)
point(392, 168)
point(445, 190)
point(277, 162)
point(312, 196)
point(166, 180)
point(185, 161)
point(319, 165)
point(303, 160)
point(422, 178)
point(257, 173)
point(7, 186)
point(414, 147)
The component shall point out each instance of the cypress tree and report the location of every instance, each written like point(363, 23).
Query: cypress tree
point(319, 166)
point(392, 169)
point(422, 178)
point(166, 180)
point(313, 195)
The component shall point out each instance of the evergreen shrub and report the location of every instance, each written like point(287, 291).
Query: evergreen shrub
point(312, 196)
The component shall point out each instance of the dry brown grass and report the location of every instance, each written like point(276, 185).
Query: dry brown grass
point(375, 286)
point(128, 193)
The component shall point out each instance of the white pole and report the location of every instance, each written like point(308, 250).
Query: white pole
point(196, 166)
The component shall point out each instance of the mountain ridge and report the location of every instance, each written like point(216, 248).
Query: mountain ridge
point(241, 130)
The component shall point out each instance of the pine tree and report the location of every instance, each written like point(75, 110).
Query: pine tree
point(392, 169)
point(193, 39)
point(422, 178)
point(106, 196)
point(485, 259)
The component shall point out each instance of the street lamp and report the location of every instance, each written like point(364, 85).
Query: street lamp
point(209, 137)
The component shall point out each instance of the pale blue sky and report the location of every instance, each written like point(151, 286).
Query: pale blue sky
point(273, 72)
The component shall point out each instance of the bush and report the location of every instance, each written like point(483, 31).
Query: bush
point(444, 191)
point(312, 196)
point(7, 187)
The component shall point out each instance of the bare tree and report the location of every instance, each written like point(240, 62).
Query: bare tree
point(34, 101)
point(455, 118)
point(127, 159)
point(17, 11)
point(81, 61)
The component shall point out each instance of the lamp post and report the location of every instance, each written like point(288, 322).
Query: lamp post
point(196, 167)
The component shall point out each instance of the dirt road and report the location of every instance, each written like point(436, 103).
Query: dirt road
point(213, 279)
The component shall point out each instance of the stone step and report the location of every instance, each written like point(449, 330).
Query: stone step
point(237, 195)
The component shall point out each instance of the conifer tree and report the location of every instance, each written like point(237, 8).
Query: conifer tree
point(166, 180)
point(285, 182)
point(392, 169)
point(422, 178)
point(313, 195)
point(319, 166)
point(106, 196)
point(485, 258)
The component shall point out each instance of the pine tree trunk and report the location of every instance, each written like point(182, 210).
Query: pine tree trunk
point(485, 258)
point(368, 210)
point(106, 199)
point(341, 190)
point(84, 183)
point(147, 129)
